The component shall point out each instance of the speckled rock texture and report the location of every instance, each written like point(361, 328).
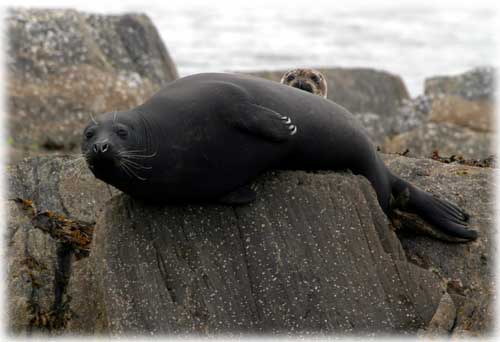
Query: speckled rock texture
point(314, 254)
point(467, 268)
point(64, 66)
point(37, 260)
point(359, 90)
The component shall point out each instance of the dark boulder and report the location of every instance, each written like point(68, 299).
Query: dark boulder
point(315, 253)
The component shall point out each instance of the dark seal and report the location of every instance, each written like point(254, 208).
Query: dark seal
point(206, 137)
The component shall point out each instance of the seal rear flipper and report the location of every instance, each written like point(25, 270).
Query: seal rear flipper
point(440, 213)
point(240, 196)
point(262, 121)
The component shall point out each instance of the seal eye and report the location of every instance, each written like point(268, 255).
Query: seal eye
point(122, 133)
point(290, 78)
point(315, 79)
point(89, 134)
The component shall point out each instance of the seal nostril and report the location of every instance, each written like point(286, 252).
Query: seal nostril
point(95, 148)
point(104, 147)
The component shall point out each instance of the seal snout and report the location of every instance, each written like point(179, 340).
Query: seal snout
point(102, 151)
point(101, 148)
point(304, 85)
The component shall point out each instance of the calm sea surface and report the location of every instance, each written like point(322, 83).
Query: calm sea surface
point(414, 41)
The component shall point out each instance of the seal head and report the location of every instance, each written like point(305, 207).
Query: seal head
point(112, 146)
point(309, 80)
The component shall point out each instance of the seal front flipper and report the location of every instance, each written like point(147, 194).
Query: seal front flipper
point(240, 196)
point(262, 121)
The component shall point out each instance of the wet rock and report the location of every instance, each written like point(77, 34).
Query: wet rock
point(359, 90)
point(299, 260)
point(64, 65)
point(446, 138)
point(43, 296)
point(466, 268)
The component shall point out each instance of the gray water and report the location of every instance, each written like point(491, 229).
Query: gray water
point(415, 41)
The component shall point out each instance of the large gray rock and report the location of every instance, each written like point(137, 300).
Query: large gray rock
point(314, 254)
point(64, 66)
point(466, 268)
point(454, 117)
point(360, 90)
point(297, 260)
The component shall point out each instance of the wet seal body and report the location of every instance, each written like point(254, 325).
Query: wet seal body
point(206, 137)
point(309, 80)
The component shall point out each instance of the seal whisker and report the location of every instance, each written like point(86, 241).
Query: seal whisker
point(135, 165)
point(132, 171)
point(133, 155)
point(122, 167)
point(93, 119)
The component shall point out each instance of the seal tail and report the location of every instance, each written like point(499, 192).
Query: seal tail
point(440, 213)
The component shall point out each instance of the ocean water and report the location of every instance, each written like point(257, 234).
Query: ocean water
point(414, 39)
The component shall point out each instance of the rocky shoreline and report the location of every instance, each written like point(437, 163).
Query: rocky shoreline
point(85, 259)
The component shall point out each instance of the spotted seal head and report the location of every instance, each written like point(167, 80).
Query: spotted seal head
point(309, 80)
